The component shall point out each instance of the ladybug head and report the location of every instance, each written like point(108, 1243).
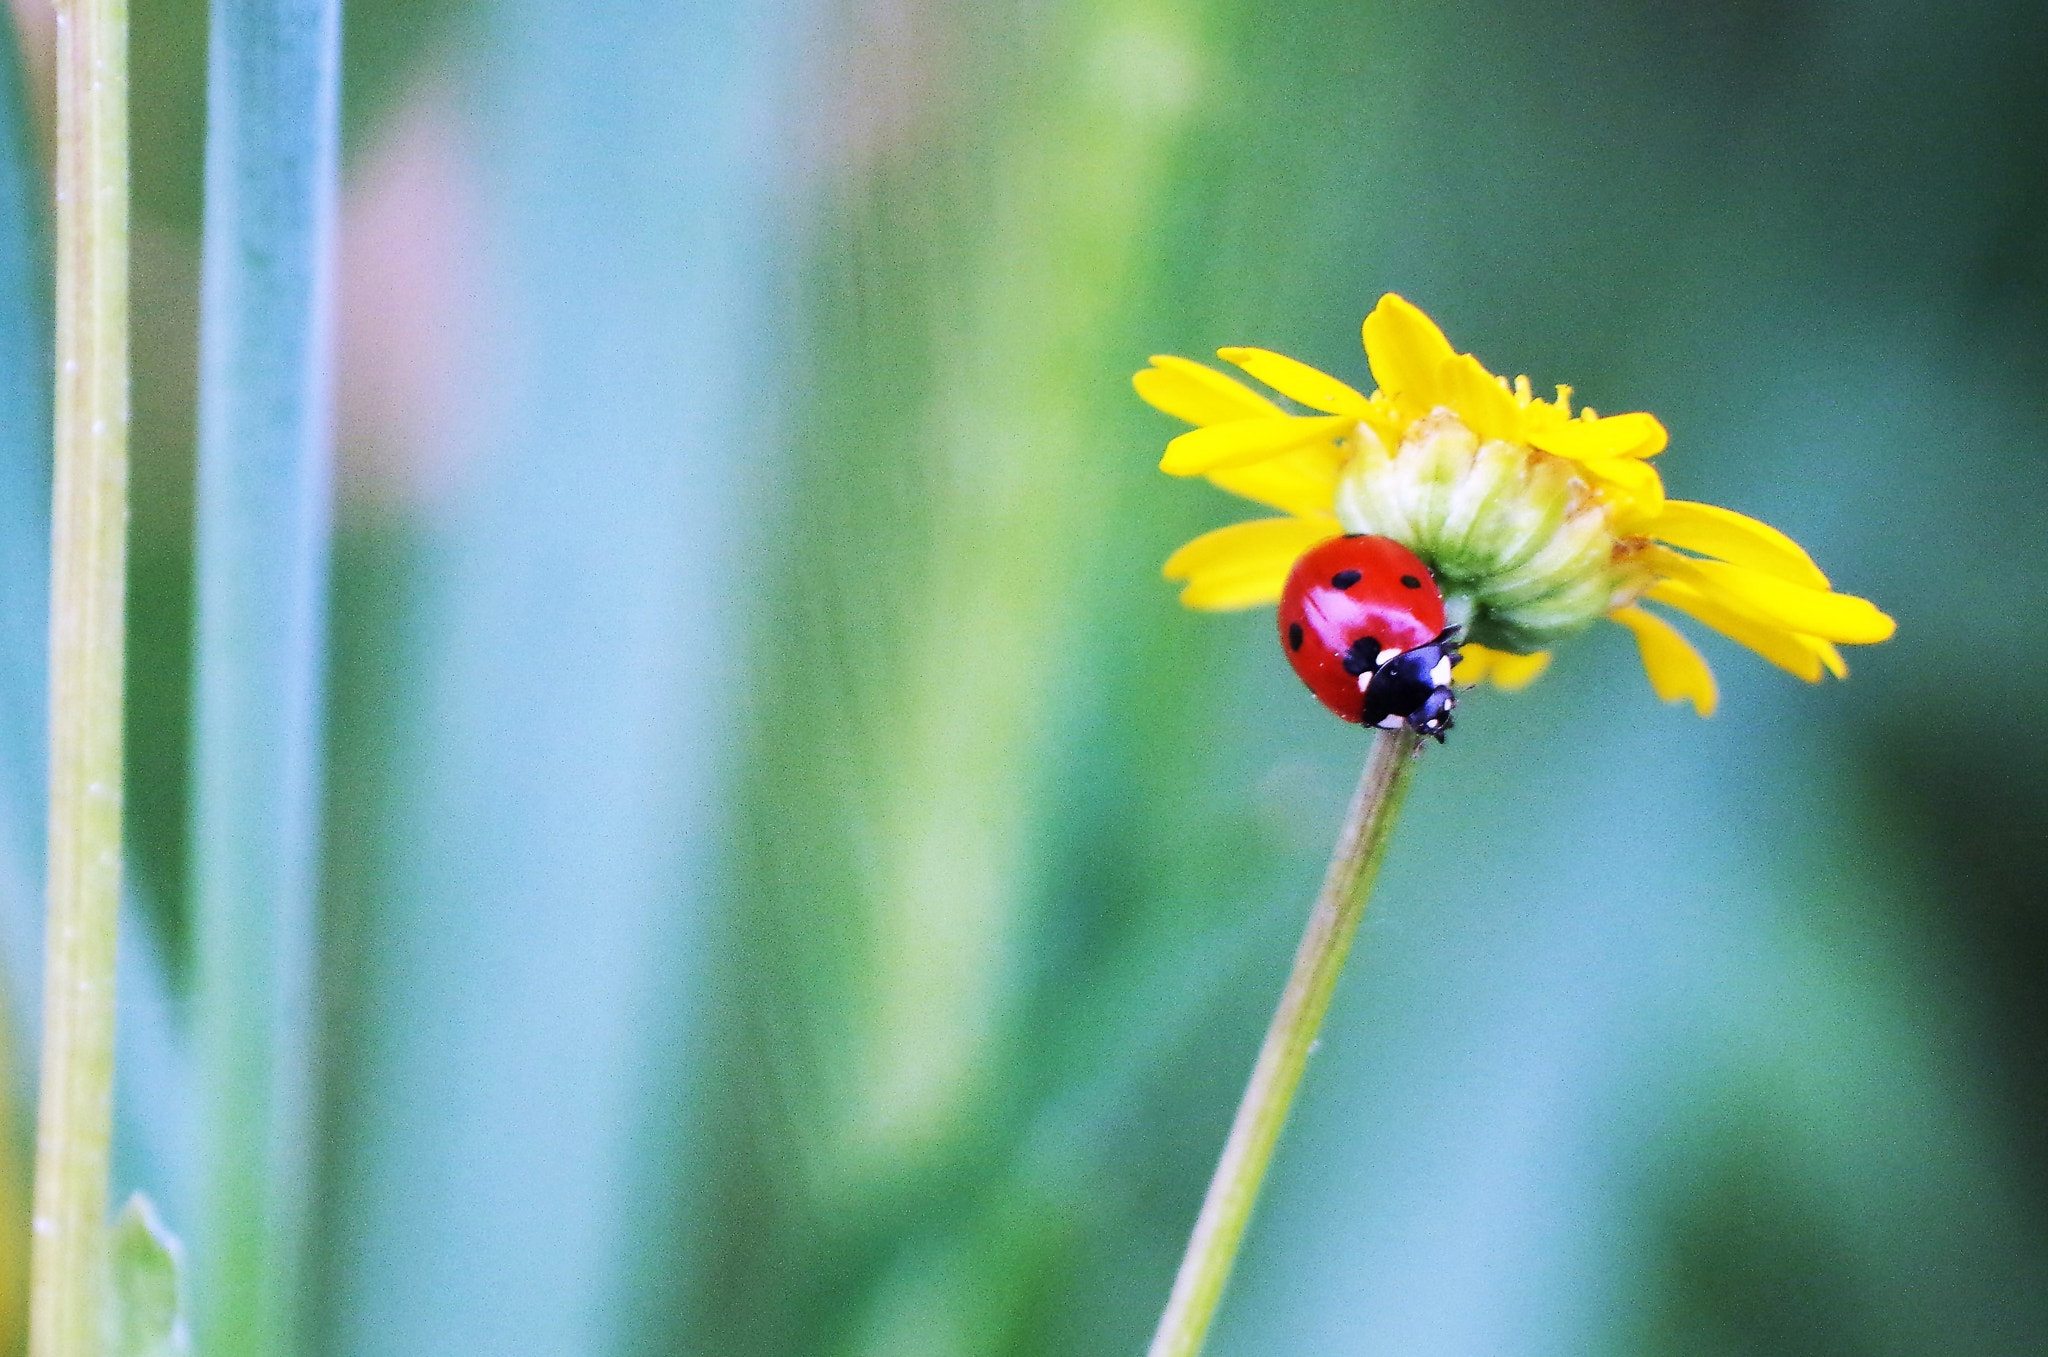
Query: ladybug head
point(1413, 687)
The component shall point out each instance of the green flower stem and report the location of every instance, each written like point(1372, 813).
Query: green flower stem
point(88, 560)
point(1317, 963)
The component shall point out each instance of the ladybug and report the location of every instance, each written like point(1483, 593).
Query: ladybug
point(1362, 622)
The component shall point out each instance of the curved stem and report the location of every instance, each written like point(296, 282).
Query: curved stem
point(1317, 962)
point(88, 554)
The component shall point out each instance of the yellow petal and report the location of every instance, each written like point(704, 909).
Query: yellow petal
point(1475, 665)
point(1676, 670)
point(1243, 441)
point(1514, 672)
point(1302, 482)
point(1298, 381)
point(1714, 531)
point(1791, 651)
point(1779, 602)
point(1245, 564)
point(1633, 489)
point(1631, 435)
point(1464, 384)
point(1502, 668)
point(1200, 395)
point(1406, 351)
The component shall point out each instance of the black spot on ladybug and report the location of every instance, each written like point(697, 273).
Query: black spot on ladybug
point(1344, 579)
point(1410, 582)
point(1364, 653)
point(1294, 636)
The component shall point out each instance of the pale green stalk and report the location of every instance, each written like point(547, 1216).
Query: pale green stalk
point(1317, 962)
point(88, 559)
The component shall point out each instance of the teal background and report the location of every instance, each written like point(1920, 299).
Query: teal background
point(795, 882)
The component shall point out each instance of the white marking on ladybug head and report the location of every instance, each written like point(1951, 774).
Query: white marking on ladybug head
point(1441, 675)
point(1386, 658)
point(1392, 722)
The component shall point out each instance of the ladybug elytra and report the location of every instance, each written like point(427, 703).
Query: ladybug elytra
point(1362, 622)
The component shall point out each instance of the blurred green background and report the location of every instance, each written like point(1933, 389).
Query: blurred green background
point(796, 883)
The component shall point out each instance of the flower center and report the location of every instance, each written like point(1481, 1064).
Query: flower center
point(1524, 551)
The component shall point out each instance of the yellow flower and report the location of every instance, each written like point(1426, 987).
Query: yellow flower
point(1535, 521)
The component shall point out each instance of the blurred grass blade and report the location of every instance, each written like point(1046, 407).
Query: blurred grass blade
point(145, 1307)
point(963, 494)
point(264, 510)
point(508, 1169)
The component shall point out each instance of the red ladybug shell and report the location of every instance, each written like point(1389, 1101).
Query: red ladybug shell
point(1344, 591)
